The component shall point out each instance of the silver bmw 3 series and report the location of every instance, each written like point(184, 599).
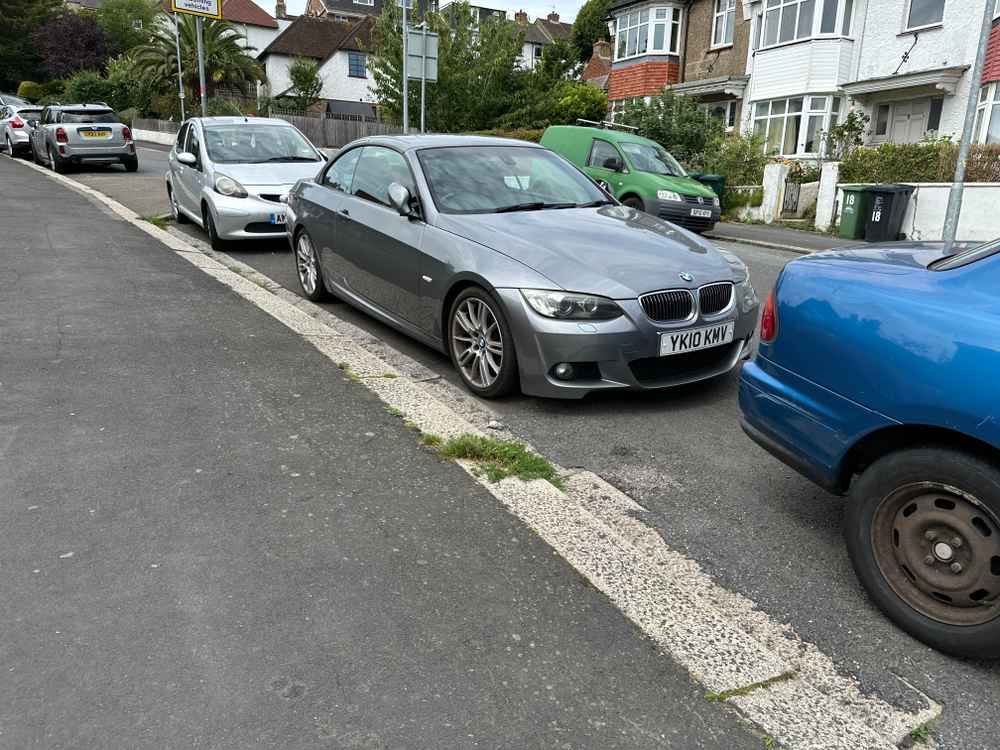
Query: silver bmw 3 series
point(508, 258)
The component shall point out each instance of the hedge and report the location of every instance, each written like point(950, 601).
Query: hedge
point(929, 161)
point(521, 134)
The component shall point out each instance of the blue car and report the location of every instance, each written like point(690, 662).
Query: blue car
point(878, 376)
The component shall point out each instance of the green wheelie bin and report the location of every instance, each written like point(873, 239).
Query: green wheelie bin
point(854, 214)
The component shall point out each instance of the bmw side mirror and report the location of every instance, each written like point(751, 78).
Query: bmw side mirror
point(399, 197)
point(613, 163)
point(186, 157)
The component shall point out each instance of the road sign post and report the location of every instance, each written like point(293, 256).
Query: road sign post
point(422, 63)
point(180, 71)
point(200, 9)
point(406, 77)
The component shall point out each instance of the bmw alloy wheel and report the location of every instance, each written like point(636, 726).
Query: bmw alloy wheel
point(305, 262)
point(477, 342)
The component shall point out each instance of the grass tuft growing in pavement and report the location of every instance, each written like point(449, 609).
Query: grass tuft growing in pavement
point(430, 440)
point(921, 734)
point(160, 222)
point(498, 459)
point(747, 689)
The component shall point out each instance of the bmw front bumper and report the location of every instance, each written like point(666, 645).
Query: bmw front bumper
point(618, 354)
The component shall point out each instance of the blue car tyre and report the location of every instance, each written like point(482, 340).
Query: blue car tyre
point(923, 534)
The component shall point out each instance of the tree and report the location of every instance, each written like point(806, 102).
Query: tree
point(590, 26)
point(19, 19)
point(127, 23)
point(71, 42)
point(227, 63)
point(537, 101)
point(306, 83)
point(87, 86)
point(476, 71)
point(677, 123)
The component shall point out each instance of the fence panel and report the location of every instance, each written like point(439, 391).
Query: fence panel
point(158, 126)
point(327, 132)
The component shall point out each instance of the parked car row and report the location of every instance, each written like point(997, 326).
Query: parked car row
point(873, 374)
point(64, 135)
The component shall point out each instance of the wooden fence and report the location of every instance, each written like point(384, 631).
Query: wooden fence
point(157, 126)
point(327, 132)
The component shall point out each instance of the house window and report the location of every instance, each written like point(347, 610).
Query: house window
point(924, 13)
point(537, 51)
point(848, 16)
point(788, 20)
point(723, 22)
point(934, 117)
point(779, 123)
point(882, 121)
point(725, 112)
point(987, 127)
point(652, 29)
point(356, 65)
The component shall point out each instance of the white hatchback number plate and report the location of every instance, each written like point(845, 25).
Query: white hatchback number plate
point(691, 340)
point(702, 213)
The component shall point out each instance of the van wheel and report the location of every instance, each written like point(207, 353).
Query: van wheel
point(923, 533)
point(634, 202)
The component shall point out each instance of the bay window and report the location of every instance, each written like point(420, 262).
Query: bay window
point(723, 23)
point(785, 21)
point(650, 30)
point(987, 126)
point(796, 125)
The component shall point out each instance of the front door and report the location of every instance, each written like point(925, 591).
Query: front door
point(379, 249)
point(909, 120)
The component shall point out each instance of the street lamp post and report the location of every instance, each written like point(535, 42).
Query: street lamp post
point(954, 210)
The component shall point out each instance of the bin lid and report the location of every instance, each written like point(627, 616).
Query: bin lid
point(891, 188)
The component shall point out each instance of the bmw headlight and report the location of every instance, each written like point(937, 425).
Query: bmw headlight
point(229, 187)
point(668, 195)
point(570, 306)
point(741, 273)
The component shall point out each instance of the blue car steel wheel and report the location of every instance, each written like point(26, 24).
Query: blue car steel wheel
point(938, 548)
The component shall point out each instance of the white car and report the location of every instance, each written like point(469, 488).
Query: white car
point(15, 127)
point(230, 175)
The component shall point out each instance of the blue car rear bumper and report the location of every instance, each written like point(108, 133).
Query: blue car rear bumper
point(806, 426)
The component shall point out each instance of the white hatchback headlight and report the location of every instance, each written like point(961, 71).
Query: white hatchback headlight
point(229, 187)
point(669, 195)
point(570, 306)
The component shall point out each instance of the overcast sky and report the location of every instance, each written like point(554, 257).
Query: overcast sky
point(534, 8)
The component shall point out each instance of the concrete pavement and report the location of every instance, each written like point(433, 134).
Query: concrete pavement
point(213, 538)
point(757, 527)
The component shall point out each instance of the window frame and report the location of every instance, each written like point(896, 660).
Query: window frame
point(412, 187)
point(722, 13)
point(729, 121)
point(907, 29)
point(672, 22)
point(326, 172)
point(352, 57)
point(593, 148)
point(807, 112)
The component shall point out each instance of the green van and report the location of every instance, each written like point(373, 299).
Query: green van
point(638, 172)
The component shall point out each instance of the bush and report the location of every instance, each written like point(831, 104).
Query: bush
point(87, 87)
point(30, 90)
point(678, 124)
point(579, 101)
point(739, 158)
point(54, 88)
point(128, 115)
point(928, 161)
point(222, 108)
point(130, 89)
point(165, 107)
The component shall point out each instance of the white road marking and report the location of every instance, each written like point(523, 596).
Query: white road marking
point(721, 637)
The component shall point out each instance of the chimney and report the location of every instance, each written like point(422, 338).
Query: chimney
point(602, 49)
point(521, 18)
point(553, 17)
point(279, 9)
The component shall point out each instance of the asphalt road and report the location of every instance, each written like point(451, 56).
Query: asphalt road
point(212, 538)
point(754, 525)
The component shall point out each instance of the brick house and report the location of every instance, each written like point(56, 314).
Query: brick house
point(352, 10)
point(717, 41)
point(648, 44)
point(987, 128)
